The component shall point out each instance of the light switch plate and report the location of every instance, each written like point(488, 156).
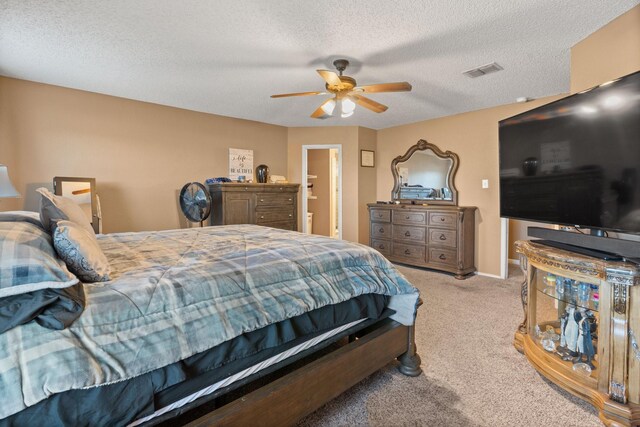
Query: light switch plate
point(485, 183)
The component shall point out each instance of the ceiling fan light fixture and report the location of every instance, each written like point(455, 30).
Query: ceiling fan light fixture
point(329, 107)
point(348, 107)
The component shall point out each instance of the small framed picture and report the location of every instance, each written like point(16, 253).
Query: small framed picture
point(367, 158)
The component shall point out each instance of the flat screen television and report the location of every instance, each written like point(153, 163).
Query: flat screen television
point(576, 161)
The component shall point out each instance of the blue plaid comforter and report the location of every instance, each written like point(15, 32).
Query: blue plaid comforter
point(176, 293)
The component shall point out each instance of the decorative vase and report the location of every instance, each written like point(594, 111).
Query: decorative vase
point(530, 166)
point(262, 173)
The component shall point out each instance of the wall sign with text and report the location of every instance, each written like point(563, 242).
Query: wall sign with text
point(240, 164)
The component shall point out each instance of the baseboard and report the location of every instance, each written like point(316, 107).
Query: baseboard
point(514, 261)
point(494, 276)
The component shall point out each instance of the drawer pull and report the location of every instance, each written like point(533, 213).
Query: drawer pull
point(407, 234)
point(407, 252)
point(290, 199)
point(441, 218)
point(380, 215)
point(442, 257)
point(261, 216)
point(381, 230)
point(290, 215)
point(407, 217)
point(380, 246)
point(443, 237)
point(262, 200)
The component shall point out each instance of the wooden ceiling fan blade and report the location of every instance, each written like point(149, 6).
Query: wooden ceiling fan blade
point(330, 77)
point(325, 110)
point(370, 104)
point(284, 95)
point(385, 87)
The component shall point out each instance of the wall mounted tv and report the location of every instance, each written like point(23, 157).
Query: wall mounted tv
point(576, 161)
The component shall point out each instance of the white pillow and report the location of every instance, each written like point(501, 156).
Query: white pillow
point(56, 208)
point(79, 249)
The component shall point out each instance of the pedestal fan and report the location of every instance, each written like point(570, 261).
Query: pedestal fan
point(195, 202)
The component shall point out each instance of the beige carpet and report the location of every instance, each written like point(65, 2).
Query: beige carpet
point(472, 374)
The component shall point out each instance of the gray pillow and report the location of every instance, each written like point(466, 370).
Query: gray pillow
point(28, 261)
point(80, 250)
point(21, 216)
point(56, 208)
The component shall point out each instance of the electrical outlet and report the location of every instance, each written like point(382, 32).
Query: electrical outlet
point(485, 183)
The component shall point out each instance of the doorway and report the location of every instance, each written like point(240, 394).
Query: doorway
point(322, 190)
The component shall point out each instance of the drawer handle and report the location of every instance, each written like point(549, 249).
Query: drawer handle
point(407, 217)
point(441, 218)
point(443, 237)
point(380, 215)
point(381, 230)
point(407, 252)
point(262, 217)
point(262, 200)
point(407, 234)
point(380, 246)
point(290, 215)
point(290, 199)
point(442, 257)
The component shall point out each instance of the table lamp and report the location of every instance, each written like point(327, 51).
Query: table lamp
point(7, 189)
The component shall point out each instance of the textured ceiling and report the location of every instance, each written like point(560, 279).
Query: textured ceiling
point(227, 57)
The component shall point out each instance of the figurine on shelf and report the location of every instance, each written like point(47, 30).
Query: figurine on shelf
point(570, 333)
point(585, 341)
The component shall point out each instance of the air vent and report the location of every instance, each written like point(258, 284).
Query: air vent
point(481, 71)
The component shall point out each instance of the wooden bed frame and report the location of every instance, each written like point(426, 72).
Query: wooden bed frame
point(297, 393)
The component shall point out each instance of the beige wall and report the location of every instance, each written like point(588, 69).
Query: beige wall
point(319, 164)
point(474, 137)
point(367, 182)
point(140, 154)
point(611, 52)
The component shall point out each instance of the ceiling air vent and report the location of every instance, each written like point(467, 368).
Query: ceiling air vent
point(481, 71)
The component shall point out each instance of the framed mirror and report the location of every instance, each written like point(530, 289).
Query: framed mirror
point(83, 192)
point(425, 174)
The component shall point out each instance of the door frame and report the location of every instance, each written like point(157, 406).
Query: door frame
point(304, 180)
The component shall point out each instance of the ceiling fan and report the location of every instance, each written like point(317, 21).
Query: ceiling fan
point(346, 93)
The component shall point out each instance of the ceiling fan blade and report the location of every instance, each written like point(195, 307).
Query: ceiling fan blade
point(321, 113)
point(385, 87)
point(370, 104)
point(330, 77)
point(283, 95)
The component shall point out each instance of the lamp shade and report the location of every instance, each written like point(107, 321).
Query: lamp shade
point(6, 188)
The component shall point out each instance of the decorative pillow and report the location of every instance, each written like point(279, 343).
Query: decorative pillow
point(21, 216)
point(79, 249)
point(28, 261)
point(56, 208)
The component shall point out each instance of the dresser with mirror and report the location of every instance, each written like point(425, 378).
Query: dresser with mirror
point(423, 225)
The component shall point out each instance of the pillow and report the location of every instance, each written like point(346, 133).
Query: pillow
point(79, 249)
point(55, 208)
point(28, 261)
point(16, 216)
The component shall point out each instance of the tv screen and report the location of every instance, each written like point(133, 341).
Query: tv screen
point(576, 161)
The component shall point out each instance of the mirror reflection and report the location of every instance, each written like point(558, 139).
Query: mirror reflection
point(424, 176)
point(83, 192)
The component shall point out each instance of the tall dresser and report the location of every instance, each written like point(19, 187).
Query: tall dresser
point(437, 237)
point(271, 205)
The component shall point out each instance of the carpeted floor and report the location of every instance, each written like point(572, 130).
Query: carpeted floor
point(472, 374)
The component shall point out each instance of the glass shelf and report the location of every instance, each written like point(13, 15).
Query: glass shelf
point(581, 294)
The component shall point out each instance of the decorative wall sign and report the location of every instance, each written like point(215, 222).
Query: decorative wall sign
point(367, 158)
point(240, 164)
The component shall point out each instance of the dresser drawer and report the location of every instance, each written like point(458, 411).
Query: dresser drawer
point(443, 219)
point(382, 246)
point(409, 233)
point(380, 215)
point(284, 225)
point(274, 199)
point(273, 216)
point(412, 252)
point(380, 230)
point(443, 256)
point(410, 218)
point(442, 237)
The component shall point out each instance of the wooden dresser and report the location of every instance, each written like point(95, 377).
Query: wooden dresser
point(271, 205)
point(437, 237)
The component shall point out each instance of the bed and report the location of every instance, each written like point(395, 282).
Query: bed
point(212, 326)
